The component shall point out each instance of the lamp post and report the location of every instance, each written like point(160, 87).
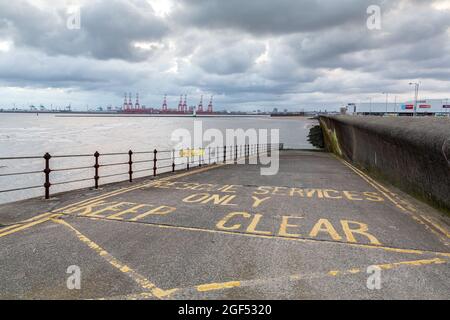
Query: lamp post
point(446, 104)
point(387, 97)
point(370, 106)
point(395, 105)
point(416, 95)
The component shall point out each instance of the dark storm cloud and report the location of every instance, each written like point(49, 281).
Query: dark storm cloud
point(406, 28)
point(62, 71)
point(108, 30)
point(237, 57)
point(272, 17)
point(254, 50)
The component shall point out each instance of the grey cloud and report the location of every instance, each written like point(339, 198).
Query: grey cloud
point(316, 49)
point(272, 17)
point(223, 60)
point(108, 28)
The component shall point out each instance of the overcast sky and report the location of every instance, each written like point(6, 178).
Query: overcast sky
point(247, 53)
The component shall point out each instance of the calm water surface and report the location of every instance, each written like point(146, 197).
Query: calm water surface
point(30, 135)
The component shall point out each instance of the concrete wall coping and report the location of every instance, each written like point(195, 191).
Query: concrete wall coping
point(422, 132)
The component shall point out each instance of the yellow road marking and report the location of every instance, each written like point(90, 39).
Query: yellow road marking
point(18, 224)
point(437, 226)
point(285, 238)
point(218, 286)
point(316, 275)
point(142, 185)
point(132, 296)
point(378, 187)
point(99, 197)
point(412, 263)
point(21, 227)
point(365, 178)
point(295, 277)
point(25, 225)
point(135, 187)
point(138, 278)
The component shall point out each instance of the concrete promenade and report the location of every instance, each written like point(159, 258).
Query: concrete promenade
point(313, 231)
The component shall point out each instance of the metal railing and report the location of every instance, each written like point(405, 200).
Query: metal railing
point(161, 161)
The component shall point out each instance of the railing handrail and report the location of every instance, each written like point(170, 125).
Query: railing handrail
point(221, 153)
point(91, 154)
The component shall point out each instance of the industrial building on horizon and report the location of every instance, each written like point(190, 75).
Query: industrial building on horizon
point(182, 108)
point(422, 107)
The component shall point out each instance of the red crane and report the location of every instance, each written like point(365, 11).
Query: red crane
point(210, 105)
point(185, 108)
point(164, 106)
point(137, 106)
point(200, 105)
point(130, 104)
point(125, 104)
point(180, 104)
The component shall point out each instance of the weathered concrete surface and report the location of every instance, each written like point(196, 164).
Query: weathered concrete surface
point(411, 153)
point(228, 232)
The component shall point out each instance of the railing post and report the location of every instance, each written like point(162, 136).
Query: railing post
point(47, 171)
point(203, 155)
point(130, 165)
point(224, 154)
point(209, 155)
point(154, 162)
point(188, 159)
point(96, 166)
point(257, 150)
point(173, 160)
point(235, 153)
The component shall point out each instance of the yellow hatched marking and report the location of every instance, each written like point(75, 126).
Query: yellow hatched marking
point(138, 278)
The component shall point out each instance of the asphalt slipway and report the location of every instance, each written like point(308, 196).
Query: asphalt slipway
point(226, 232)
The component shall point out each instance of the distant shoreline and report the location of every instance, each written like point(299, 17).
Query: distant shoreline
point(80, 114)
point(291, 117)
point(131, 115)
point(158, 116)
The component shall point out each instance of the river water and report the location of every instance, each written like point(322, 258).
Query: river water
point(32, 135)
